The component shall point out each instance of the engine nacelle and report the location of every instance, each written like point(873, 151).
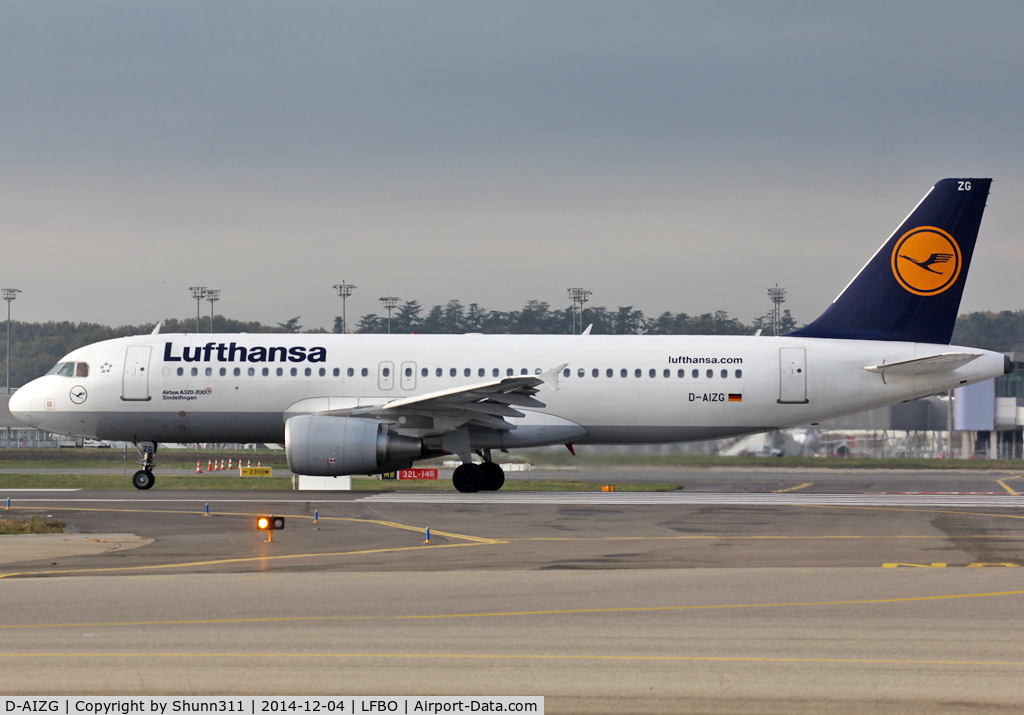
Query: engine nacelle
point(326, 446)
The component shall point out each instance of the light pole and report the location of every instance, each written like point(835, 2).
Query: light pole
point(213, 296)
point(390, 302)
point(778, 297)
point(9, 295)
point(198, 292)
point(581, 296)
point(344, 291)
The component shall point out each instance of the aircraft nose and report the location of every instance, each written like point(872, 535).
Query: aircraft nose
point(21, 404)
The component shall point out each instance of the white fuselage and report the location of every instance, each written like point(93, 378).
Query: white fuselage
point(613, 390)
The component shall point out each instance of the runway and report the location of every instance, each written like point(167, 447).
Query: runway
point(674, 601)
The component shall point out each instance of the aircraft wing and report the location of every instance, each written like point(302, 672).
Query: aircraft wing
point(944, 362)
point(485, 404)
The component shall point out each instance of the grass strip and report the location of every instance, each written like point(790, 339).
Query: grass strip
point(34, 525)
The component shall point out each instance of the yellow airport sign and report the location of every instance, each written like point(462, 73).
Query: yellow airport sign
point(255, 472)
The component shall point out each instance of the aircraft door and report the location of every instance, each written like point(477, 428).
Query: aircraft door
point(408, 376)
point(386, 375)
point(135, 381)
point(793, 375)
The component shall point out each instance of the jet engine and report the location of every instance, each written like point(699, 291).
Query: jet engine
point(326, 446)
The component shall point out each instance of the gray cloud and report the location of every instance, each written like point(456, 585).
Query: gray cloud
point(667, 156)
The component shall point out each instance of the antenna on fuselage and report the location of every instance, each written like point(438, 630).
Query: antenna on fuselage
point(157, 328)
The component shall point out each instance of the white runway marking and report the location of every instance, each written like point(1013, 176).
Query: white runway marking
point(705, 498)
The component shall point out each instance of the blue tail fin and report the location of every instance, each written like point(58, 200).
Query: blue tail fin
point(910, 289)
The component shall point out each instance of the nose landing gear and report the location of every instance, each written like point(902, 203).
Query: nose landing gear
point(144, 479)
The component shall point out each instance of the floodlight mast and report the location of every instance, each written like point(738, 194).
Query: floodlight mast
point(578, 296)
point(390, 302)
point(198, 292)
point(9, 295)
point(778, 297)
point(344, 291)
point(213, 296)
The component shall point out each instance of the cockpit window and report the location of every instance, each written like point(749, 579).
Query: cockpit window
point(82, 369)
point(67, 370)
point(56, 368)
point(70, 369)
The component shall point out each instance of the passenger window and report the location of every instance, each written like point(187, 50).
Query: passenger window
point(537, 371)
point(181, 371)
point(494, 372)
point(653, 373)
point(238, 371)
point(467, 372)
point(438, 372)
point(68, 370)
point(638, 372)
point(195, 371)
point(524, 371)
point(696, 372)
point(668, 373)
point(386, 372)
point(323, 372)
point(266, 371)
point(337, 372)
point(308, 371)
point(581, 373)
point(424, 372)
point(364, 372)
point(609, 372)
point(294, 371)
point(480, 372)
point(711, 373)
point(725, 373)
point(280, 371)
point(223, 371)
point(509, 372)
point(595, 372)
point(623, 372)
point(82, 370)
point(209, 371)
point(452, 372)
point(682, 373)
point(408, 372)
point(252, 372)
point(350, 372)
point(566, 372)
point(739, 374)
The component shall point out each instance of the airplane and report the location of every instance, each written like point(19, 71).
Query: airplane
point(367, 404)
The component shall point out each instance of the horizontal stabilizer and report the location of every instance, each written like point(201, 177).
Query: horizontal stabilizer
point(944, 362)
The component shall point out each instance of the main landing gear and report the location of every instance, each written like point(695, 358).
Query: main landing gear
point(486, 477)
point(144, 479)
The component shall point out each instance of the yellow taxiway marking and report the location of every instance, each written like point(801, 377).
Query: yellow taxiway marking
point(509, 614)
point(1003, 484)
point(793, 489)
point(237, 560)
point(526, 656)
point(469, 541)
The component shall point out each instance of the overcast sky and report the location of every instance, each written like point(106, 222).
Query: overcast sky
point(668, 156)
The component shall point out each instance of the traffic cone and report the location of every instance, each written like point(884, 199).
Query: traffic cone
point(198, 468)
point(222, 464)
point(209, 465)
point(229, 464)
point(249, 464)
point(259, 463)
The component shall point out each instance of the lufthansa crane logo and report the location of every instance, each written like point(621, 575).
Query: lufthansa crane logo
point(926, 260)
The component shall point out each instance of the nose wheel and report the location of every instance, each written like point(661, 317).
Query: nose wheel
point(143, 479)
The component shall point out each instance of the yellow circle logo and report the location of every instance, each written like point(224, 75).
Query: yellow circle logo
point(926, 260)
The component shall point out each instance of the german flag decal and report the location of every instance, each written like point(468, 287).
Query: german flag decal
point(735, 398)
